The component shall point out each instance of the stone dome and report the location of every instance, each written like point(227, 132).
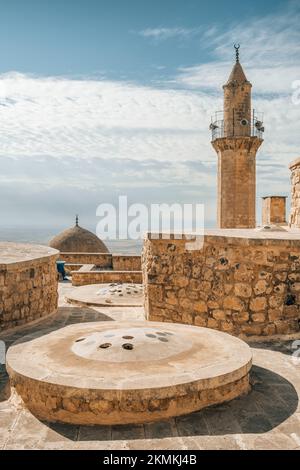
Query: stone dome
point(78, 240)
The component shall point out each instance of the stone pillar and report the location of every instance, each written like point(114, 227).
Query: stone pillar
point(236, 181)
point(294, 221)
point(273, 210)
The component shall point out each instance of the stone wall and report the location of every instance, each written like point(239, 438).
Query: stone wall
point(103, 260)
point(294, 221)
point(100, 259)
point(88, 275)
point(126, 262)
point(243, 282)
point(28, 283)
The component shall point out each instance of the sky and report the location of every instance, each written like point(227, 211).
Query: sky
point(106, 98)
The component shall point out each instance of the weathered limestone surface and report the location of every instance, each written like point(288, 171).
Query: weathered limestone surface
point(294, 221)
point(243, 282)
point(28, 283)
point(83, 374)
point(273, 210)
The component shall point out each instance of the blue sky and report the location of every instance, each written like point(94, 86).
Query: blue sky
point(101, 98)
point(84, 37)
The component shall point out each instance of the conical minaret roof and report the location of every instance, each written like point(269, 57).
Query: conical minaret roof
point(237, 75)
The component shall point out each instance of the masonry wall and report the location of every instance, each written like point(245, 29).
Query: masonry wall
point(126, 262)
point(86, 275)
point(104, 260)
point(294, 221)
point(28, 291)
point(100, 259)
point(241, 286)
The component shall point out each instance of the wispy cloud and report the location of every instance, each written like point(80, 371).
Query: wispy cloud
point(90, 118)
point(270, 53)
point(163, 33)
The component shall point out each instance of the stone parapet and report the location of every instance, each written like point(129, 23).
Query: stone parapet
point(118, 262)
point(28, 283)
point(126, 262)
point(87, 275)
point(243, 282)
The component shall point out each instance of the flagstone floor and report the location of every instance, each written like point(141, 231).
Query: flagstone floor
point(267, 418)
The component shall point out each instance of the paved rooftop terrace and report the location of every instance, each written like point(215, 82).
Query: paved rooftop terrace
point(267, 418)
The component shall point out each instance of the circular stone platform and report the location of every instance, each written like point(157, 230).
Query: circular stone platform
point(127, 372)
point(113, 294)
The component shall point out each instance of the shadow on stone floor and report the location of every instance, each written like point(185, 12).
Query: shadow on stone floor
point(271, 401)
point(284, 347)
point(4, 384)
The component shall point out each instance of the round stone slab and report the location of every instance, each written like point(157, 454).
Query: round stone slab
point(113, 294)
point(127, 372)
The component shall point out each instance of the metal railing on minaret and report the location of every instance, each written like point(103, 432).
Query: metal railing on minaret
point(254, 129)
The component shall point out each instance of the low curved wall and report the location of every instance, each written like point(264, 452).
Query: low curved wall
point(28, 283)
point(243, 282)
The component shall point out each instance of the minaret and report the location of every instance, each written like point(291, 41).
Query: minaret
point(236, 137)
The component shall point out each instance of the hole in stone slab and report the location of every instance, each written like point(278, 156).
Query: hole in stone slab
point(159, 333)
point(79, 339)
point(105, 345)
point(164, 340)
point(150, 335)
point(127, 337)
point(290, 299)
point(127, 346)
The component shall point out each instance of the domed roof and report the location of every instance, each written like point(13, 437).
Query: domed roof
point(78, 240)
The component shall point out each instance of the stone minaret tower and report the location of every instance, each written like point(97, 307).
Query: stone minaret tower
point(236, 137)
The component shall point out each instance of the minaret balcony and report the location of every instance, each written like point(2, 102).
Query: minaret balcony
point(237, 126)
